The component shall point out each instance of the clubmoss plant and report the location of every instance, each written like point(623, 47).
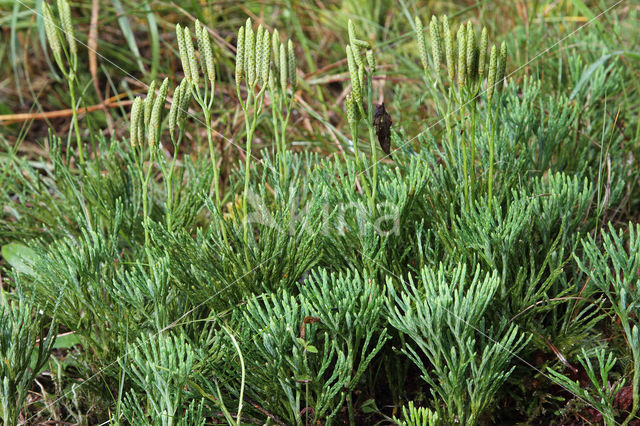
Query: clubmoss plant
point(316, 342)
point(443, 318)
point(68, 66)
point(177, 114)
point(282, 81)
point(308, 309)
point(613, 271)
point(361, 101)
point(253, 67)
point(25, 344)
point(494, 84)
point(146, 119)
point(463, 94)
point(166, 364)
point(604, 392)
point(205, 96)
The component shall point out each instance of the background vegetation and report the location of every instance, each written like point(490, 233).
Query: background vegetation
point(272, 271)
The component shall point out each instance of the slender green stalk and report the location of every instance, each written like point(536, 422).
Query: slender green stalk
point(74, 109)
point(280, 121)
point(279, 151)
point(223, 407)
point(251, 121)
point(353, 114)
point(243, 374)
point(285, 123)
point(169, 179)
point(448, 116)
point(473, 141)
point(145, 192)
point(491, 154)
point(491, 89)
point(465, 166)
point(354, 137)
point(374, 159)
point(213, 157)
point(250, 127)
point(372, 144)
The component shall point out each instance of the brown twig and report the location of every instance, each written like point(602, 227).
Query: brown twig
point(20, 117)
